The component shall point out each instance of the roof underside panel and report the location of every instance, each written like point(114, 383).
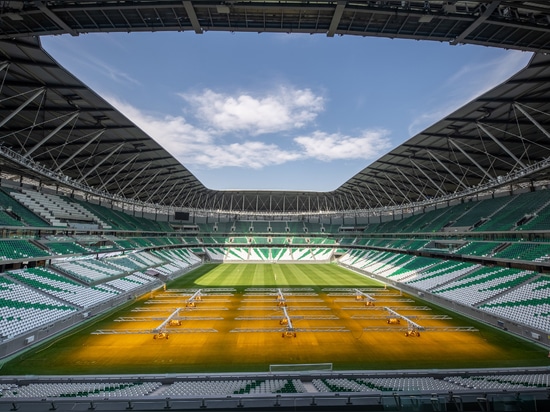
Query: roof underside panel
point(511, 24)
point(63, 132)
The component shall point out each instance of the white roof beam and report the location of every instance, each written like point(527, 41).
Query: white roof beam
point(157, 189)
point(168, 192)
point(93, 169)
point(119, 170)
point(471, 159)
point(80, 149)
point(22, 106)
point(532, 120)
point(338, 11)
point(362, 195)
point(484, 16)
point(374, 196)
point(146, 184)
point(501, 145)
point(412, 184)
point(135, 177)
point(51, 134)
point(43, 8)
point(447, 169)
point(189, 9)
point(397, 187)
point(384, 190)
point(435, 185)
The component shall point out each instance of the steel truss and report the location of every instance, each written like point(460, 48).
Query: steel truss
point(56, 131)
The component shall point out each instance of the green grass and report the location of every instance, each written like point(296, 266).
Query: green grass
point(80, 352)
point(274, 275)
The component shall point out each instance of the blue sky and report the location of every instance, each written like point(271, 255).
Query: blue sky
point(280, 111)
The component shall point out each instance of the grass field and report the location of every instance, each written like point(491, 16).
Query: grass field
point(247, 337)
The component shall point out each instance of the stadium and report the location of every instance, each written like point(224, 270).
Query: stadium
point(420, 284)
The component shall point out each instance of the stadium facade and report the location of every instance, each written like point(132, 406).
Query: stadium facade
point(468, 195)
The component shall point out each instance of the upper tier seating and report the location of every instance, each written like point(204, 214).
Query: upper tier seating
point(21, 213)
point(278, 227)
point(517, 209)
point(478, 211)
point(536, 252)
point(57, 210)
point(13, 249)
point(66, 248)
point(123, 221)
point(478, 248)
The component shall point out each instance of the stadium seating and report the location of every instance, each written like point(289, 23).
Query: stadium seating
point(389, 249)
point(535, 252)
point(66, 248)
point(440, 273)
point(478, 248)
point(82, 390)
point(61, 287)
point(482, 284)
point(528, 303)
point(378, 385)
point(233, 387)
point(507, 382)
point(21, 213)
point(23, 309)
point(20, 249)
point(55, 210)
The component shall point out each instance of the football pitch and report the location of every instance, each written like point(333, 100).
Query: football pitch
point(247, 317)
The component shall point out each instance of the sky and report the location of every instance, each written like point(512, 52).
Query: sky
point(272, 111)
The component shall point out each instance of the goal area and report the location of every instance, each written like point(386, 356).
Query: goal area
point(300, 367)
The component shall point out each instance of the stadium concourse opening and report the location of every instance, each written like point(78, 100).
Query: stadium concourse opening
point(420, 283)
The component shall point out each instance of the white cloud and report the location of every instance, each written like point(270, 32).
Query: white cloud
point(483, 77)
point(250, 154)
point(76, 57)
point(194, 146)
point(281, 110)
point(199, 148)
point(327, 147)
point(469, 82)
point(174, 133)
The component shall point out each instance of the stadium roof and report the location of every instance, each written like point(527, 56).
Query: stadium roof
point(55, 128)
